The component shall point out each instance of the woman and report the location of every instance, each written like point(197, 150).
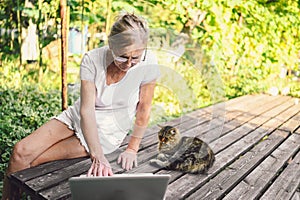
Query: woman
point(117, 85)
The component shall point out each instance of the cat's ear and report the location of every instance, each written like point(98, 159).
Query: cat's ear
point(160, 126)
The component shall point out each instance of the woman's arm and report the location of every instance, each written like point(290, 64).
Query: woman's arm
point(100, 165)
point(142, 115)
point(128, 158)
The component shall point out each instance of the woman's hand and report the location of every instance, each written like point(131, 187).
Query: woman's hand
point(100, 167)
point(128, 159)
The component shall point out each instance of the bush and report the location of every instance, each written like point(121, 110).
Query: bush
point(22, 111)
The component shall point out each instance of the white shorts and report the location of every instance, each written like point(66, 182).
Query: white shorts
point(110, 134)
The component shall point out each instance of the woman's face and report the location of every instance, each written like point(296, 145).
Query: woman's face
point(128, 59)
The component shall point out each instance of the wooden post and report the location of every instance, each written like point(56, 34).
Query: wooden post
point(64, 51)
point(82, 28)
point(39, 28)
point(20, 30)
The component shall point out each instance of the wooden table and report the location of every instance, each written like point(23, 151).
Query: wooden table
point(256, 142)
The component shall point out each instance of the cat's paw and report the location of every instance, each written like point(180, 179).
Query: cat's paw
point(162, 157)
point(154, 162)
point(157, 163)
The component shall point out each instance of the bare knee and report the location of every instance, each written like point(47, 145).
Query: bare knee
point(20, 158)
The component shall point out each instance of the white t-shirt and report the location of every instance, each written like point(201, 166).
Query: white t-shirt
point(115, 105)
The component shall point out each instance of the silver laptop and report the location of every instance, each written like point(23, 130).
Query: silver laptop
point(120, 187)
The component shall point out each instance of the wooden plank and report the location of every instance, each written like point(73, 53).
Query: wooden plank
point(289, 113)
point(55, 177)
point(148, 168)
point(148, 154)
point(210, 134)
point(45, 182)
point(284, 116)
point(233, 174)
point(241, 100)
point(42, 169)
point(236, 134)
point(190, 132)
point(239, 111)
point(258, 180)
point(287, 183)
point(296, 196)
point(20, 177)
point(246, 108)
point(190, 183)
point(205, 114)
point(235, 111)
point(251, 119)
point(61, 191)
point(187, 184)
point(292, 124)
point(272, 113)
point(242, 103)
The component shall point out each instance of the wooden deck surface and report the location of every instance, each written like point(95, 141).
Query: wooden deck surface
point(257, 147)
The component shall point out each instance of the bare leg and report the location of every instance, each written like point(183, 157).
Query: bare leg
point(65, 149)
point(32, 147)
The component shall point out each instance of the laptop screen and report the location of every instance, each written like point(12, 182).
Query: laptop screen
point(120, 186)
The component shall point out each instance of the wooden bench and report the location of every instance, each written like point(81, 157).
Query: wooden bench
point(257, 155)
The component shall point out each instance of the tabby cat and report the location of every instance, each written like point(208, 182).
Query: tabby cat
point(186, 154)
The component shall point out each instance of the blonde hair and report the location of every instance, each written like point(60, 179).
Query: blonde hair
point(128, 30)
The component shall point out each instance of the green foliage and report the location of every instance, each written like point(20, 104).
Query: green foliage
point(249, 41)
point(29, 98)
point(22, 111)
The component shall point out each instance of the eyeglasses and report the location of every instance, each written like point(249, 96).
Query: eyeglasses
point(124, 59)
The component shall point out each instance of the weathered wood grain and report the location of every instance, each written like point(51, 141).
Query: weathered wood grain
point(296, 196)
point(237, 133)
point(255, 117)
point(254, 185)
point(191, 132)
point(292, 124)
point(186, 184)
point(287, 183)
point(61, 191)
point(217, 187)
point(46, 168)
point(55, 177)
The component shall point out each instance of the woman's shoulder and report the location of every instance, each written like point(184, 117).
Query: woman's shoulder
point(95, 56)
point(97, 52)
